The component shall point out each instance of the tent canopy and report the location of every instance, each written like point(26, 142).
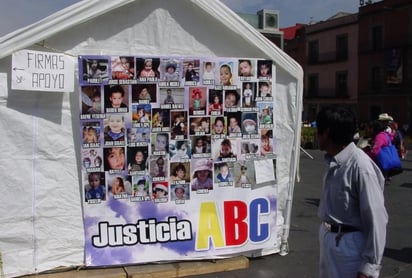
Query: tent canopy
point(42, 224)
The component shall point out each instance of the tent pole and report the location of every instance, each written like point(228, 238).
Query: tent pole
point(305, 152)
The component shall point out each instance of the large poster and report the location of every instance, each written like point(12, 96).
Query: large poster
point(178, 157)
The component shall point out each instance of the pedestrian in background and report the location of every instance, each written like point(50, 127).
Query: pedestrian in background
point(353, 231)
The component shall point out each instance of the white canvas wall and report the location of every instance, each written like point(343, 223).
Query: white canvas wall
point(41, 225)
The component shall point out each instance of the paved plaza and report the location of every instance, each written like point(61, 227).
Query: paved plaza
point(302, 260)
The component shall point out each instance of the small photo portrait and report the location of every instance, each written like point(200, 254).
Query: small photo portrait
point(232, 98)
point(223, 173)
point(191, 69)
point(160, 143)
point(264, 69)
point(179, 172)
point(209, 73)
point(199, 125)
point(160, 191)
point(140, 186)
point(266, 142)
point(243, 174)
point(92, 158)
point(86, 162)
point(160, 118)
point(265, 89)
point(114, 159)
point(175, 96)
point(180, 192)
point(215, 102)
point(138, 135)
point(197, 100)
point(114, 128)
point(249, 123)
point(98, 161)
point(132, 134)
point(95, 70)
point(248, 95)
point(122, 67)
point(245, 68)
point(91, 100)
point(116, 98)
point(137, 159)
point(143, 135)
point(224, 149)
point(144, 93)
point(148, 68)
point(95, 186)
point(202, 174)
point(265, 114)
point(141, 115)
point(226, 73)
point(171, 69)
point(91, 133)
point(249, 148)
point(158, 166)
point(234, 120)
point(219, 126)
point(180, 150)
point(178, 124)
point(200, 146)
point(119, 185)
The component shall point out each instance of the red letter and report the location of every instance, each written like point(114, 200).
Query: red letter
point(236, 228)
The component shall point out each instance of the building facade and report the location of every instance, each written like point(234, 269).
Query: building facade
point(331, 65)
point(385, 60)
point(360, 60)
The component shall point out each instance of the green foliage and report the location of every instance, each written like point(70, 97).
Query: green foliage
point(308, 137)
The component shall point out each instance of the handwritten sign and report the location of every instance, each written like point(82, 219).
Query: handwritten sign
point(42, 71)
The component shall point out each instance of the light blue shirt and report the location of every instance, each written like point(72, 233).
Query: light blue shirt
point(353, 195)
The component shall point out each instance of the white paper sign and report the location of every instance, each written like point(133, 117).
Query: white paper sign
point(42, 71)
point(265, 172)
point(3, 86)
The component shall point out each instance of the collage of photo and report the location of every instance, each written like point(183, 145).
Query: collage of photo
point(167, 129)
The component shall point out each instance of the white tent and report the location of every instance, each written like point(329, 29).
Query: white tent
point(41, 225)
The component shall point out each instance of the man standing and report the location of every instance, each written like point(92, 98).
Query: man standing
point(353, 231)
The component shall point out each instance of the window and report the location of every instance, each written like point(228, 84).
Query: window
point(376, 78)
point(341, 84)
point(313, 51)
point(342, 47)
point(313, 87)
point(377, 38)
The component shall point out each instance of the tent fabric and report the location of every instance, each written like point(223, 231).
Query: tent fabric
point(41, 225)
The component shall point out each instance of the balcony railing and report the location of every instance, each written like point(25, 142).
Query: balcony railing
point(326, 93)
point(327, 57)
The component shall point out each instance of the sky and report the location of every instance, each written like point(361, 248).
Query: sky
point(15, 14)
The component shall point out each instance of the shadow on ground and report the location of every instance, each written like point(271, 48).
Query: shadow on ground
point(312, 201)
point(406, 184)
point(401, 255)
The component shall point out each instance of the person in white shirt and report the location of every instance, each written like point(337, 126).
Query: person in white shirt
point(352, 234)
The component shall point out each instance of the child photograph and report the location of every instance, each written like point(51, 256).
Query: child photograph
point(148, 68)
point(122, 67)
point(114, 129)
point(91, 100)
point(95, 69)
point(197, 100)
point(144, 93)
point(95, 188)
point(116, 98)
point(209, 73)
